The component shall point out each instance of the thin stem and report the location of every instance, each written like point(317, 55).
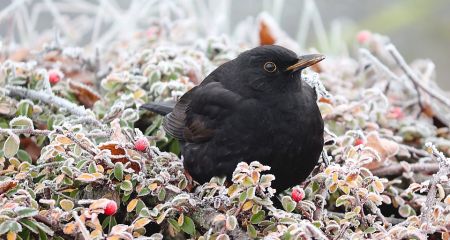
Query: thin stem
point(396, 169)
point(82, 227)
point(413, 77)
point(5, 131)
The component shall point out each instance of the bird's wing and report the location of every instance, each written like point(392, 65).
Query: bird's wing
point(199, 112)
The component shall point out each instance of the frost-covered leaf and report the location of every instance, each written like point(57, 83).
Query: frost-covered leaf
point(188, 226)
point(11, 145)
point(118, 171)
point(258, 217)
point(21, 122)
point(66, 204)
point(288, 204)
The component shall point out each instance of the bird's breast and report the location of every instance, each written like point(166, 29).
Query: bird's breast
point(280, 123)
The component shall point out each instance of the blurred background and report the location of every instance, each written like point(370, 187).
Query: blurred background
point(419, 28)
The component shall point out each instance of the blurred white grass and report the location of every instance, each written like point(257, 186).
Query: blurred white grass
point(96, 23)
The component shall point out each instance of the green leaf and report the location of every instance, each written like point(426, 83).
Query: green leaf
point(288, 204)
point(25, 108)
point(175, 147)
point(81, 163)
point(15, 227)
point(92, 168)
point(350, 215)
point(174, 224)
point(106, 222)
point(287, 220)
point(258, 217)
point(50, 122)
point(370, 230)
point(188, 226)
point(126, 185)
point(343, 200)
point(247, 182)
point(251, 231)
point(251, 192)
point(162, 194)
point(154, 76)
point(25, 234)
point(23, 156)
point(47, 230)
point(243, 197)
point(315, 186)
point(405, 211)
point(145, 213)
point(26, 212)
point(66, 170)
point(161, 217)
point(11, 145)
point(155, 124)
point(109, 222)
point(182, 184)
point(231, 222)
point(144, 191)
point(140, 205)
point(77, 150)
point(42, 235)
point(30, 224)
point(4, 227)
point(118, 171)
point(21, 123)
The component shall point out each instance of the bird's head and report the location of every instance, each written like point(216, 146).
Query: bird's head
point(272, 68)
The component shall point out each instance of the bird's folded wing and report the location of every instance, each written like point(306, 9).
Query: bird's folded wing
point(200, 111)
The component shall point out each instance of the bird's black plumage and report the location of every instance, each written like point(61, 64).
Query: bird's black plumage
point(253, 108)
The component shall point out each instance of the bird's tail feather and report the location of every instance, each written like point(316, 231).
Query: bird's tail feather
point(161, 108)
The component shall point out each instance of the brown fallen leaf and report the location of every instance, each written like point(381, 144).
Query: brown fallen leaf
point(20, 55)
point(30, 146)
point(84, 94)
point(7, 185)
point(384, 147)
point(120, 152)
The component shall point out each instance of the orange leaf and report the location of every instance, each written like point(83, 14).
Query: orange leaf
point(132, 205)
point(141, 222)
point(86, 177)
point(70, 228)
point(63, 140)
point(265, 35)
point(247, 206)
point(153, 186)
point(11, 236)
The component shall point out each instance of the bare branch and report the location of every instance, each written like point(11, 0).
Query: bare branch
point(414, 78)
point(396, 169)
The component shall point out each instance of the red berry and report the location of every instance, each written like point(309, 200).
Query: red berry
point(358, 142)
point(54, 76)
point(111, 208)
point(363, 36)
point(141, 144)
point(298, 194)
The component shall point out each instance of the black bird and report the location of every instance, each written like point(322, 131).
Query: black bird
point(252, 108)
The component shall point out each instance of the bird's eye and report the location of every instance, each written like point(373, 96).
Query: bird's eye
point(270, 67)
